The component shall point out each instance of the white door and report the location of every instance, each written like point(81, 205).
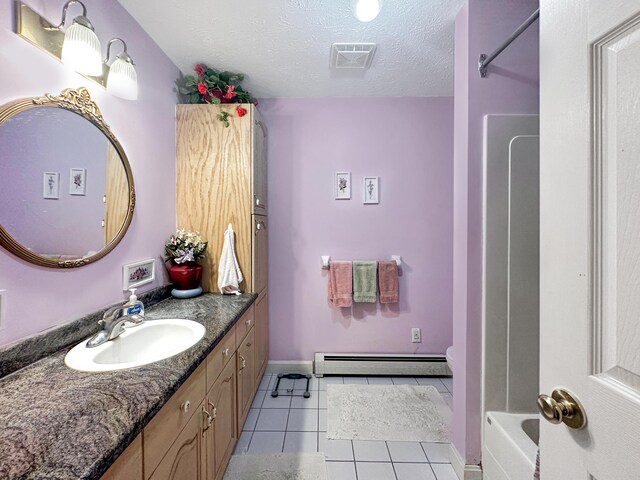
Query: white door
point(590, 234)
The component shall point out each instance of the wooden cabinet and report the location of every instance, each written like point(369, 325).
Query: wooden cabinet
point(223, 433)
point(261, 335)
point(129, 463)
point(186, 456)
point(222, 179)
point(260, 254)
point(246, 377)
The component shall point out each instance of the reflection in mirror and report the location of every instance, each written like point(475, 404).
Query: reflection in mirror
point(65, 189)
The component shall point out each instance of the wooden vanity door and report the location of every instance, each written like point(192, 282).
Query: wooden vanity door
point(186, 457)
point(221, 438)
point(259, 254)
point(246, 377)
point(261, 330)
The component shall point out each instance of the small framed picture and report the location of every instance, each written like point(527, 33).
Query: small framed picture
point(343, 185)
point(139, 273)
point(51, 185)
point(77, 181)
point(371, 190)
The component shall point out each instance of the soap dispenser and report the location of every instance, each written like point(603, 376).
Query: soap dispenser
point(135, 308)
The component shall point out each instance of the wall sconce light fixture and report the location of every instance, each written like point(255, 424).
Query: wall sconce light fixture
point(122, 80)
point(79, 47)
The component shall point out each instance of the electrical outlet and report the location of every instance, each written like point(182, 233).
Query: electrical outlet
point(3, 296)
point(416, 336)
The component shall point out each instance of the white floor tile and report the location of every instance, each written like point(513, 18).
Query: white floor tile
point(264, 383)
point(322, 420)
point(379, 380)
point(266, 442)
point(257, 400)
point(375, 471)
point(404, 381)
point(434, 382)
point(252, 418)
point(437, 452)
point(355, 381)
point(301, 402)
point(301, 442)
point(322, 399)
point(272, 419)
point(444, 471)
point(335, 449)
point(341, 471)
point(448, 399)
point(277, 402)
point(448, 382)
point(324, 381)
point(303, 420)
point(406, 452)
point(413, 471)
point(366, 451)
point(243, 443)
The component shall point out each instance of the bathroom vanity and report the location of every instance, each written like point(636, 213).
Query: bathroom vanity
point(176, 418)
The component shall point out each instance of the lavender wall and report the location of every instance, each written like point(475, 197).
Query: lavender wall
point(45, 139)
point(39, 298)
point(408, 143)
point(511, 87)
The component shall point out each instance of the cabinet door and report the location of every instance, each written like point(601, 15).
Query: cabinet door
point(261, 335)
point(185, 460)
point(129, 463)
point(246, 377)
point(259, 254)
point(223, 435)
point(259, 165)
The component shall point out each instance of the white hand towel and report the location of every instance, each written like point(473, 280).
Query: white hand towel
point(229, 274)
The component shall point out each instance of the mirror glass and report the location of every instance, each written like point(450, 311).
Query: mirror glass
point(64, 187)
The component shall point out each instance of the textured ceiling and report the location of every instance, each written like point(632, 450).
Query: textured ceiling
point(283, 46)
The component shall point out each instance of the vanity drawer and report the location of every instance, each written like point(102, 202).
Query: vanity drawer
point(244, 325)
point(163, 429)
point(220, 356)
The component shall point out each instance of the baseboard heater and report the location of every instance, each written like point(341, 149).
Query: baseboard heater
point(385, 364)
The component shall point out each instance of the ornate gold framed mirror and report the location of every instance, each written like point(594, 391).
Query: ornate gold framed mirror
point(66, 187)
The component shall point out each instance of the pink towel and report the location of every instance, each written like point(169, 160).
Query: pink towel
point(340, 284)
point(388, 281)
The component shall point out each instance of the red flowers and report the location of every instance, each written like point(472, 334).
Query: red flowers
point(202, 88)
point(230, 92)
point(200, 71)
point(241, 111)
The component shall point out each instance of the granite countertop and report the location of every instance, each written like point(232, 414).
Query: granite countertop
point(58, 423)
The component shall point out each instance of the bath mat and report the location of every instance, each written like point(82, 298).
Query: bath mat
point(404, 413)
point(277, 466)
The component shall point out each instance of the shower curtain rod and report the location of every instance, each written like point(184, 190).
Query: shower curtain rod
point(484, 60)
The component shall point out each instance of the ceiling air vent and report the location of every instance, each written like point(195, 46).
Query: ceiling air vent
point(352, 55)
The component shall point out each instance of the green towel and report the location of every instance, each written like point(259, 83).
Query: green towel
point(365, 281)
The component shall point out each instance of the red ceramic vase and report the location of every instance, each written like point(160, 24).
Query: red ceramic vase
point(186, 277)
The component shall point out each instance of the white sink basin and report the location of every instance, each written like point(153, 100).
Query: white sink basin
point(150, 342)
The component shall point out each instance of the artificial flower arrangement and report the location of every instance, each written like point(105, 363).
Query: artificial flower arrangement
point(211, 86)
point(185, 247)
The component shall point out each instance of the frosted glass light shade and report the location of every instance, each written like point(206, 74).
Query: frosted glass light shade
point(81, 50)
point(366, 10)
point(123, 80)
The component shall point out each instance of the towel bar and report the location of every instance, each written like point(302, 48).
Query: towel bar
point(326, 260)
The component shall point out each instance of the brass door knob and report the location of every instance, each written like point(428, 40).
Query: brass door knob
point(562, 407)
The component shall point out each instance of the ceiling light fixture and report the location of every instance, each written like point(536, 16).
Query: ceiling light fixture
point(122, 80)
point(366, 10)
point(81, 48)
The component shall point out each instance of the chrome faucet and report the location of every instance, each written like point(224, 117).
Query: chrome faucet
point(113, 323)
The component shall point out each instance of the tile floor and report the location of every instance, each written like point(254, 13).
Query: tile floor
point(296, 424)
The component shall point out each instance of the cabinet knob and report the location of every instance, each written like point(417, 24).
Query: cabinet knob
point(243, 363)
point(186, 406)
point(225, 352)
point(248, 322)
point(258, 202)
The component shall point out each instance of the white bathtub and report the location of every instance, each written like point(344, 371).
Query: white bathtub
point(510, 446)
